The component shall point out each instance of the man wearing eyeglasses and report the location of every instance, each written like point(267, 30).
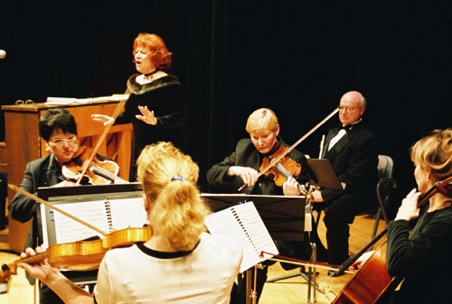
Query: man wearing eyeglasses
point(352, 151)
point(59, 130)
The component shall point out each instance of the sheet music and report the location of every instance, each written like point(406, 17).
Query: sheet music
point(128, 212)
point(68, 230)
point(76, 101)
point(103, 214)
point(244, 223)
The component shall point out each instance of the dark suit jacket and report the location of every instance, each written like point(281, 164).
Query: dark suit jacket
point(246, 155)
point(354, 159)
point(42, 172)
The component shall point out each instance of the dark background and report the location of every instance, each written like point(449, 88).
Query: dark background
point(297, 57)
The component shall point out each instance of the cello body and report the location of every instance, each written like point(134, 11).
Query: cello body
point(371, 283)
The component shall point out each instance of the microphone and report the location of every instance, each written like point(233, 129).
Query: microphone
point(2, 54)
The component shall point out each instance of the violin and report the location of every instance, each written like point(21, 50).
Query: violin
point(80, 255)
point(280, 168)
point(100, 172)
point(286, 150)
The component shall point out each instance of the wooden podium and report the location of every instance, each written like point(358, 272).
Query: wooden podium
point(23, 144)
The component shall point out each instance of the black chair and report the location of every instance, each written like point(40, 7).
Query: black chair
point(384, 189)
point(386, 183)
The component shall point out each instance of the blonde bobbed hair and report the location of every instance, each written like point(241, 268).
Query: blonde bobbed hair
point(261, 119)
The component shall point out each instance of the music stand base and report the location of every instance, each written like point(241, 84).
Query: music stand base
point(310, 277)
point(301, 274)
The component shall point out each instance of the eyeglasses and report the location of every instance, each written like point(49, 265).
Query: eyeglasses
point(60, 141)
point(347, 109)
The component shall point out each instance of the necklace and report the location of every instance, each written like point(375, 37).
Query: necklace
point(150, 76)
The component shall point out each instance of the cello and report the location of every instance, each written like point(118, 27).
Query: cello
point(372, 283)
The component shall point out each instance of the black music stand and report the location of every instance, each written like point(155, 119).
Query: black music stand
point(321, 175)
point(282, 215)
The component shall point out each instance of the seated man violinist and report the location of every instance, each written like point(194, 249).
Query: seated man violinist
point(243, 167)
point(58, 128)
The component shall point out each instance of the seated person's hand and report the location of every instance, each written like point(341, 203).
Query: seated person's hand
point(119, 180)
point(105, 119)
point(316, 196)
point(65, 183)
point(249, 175)
point(360, 261)
point(291, 187)
point(409, 209)
point(38, 268)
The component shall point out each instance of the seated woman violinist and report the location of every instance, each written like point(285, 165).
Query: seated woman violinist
point(59, 130)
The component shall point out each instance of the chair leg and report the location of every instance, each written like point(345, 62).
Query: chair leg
point(377, 222)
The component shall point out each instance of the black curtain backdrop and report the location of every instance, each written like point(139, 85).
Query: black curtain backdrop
point(296, 57)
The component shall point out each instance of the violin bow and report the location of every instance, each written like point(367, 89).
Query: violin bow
point(41, 201)
point(99, 142)
point(276, 160)
point(294, 261)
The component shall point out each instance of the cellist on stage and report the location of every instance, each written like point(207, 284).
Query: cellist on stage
point(423, 256)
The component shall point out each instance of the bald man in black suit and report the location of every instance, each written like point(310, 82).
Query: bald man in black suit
point(352, 152)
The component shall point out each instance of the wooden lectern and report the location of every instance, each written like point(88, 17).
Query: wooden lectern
point(23, 144)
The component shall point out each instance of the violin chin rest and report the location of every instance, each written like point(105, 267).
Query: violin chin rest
point(68, 173)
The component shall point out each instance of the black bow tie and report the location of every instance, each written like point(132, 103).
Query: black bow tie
point(346, 128)
point(349, 127)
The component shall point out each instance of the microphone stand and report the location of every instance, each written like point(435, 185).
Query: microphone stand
point(312, 272)
point(252, 298)
point(311, 275)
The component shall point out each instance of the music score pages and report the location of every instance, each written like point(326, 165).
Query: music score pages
point(103, 214)
point(244, 223)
